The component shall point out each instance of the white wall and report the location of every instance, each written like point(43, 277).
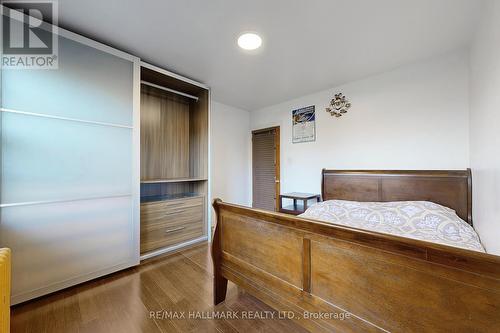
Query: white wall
point(230, 153)
point(485, 128)
point(415, 117)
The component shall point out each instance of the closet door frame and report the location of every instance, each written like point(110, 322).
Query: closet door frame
point(135, 175)
point(208, 237)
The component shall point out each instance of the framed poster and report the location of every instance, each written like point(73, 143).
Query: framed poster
point(304, 124)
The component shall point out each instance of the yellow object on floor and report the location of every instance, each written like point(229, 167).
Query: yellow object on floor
point(5, 290)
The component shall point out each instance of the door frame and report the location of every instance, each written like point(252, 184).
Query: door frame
point(277, 167)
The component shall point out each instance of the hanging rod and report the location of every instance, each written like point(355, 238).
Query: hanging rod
point(169, 90)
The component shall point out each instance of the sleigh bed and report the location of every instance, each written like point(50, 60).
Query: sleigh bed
point(331, 277)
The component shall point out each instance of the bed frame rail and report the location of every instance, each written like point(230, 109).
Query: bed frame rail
point(352, 280)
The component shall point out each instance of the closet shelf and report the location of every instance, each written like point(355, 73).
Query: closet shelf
point(167, 197)
point(173, 180)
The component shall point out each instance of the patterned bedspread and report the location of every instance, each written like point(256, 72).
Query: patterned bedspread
point(421, 220)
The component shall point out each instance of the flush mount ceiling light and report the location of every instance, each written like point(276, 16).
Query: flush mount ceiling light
point(249, 41)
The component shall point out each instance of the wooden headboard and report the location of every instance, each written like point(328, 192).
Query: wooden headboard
point(450, 188)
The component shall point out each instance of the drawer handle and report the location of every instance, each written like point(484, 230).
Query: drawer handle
point(168, 231)
point(173, 213)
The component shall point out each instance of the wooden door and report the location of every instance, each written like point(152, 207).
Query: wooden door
point(266, 168)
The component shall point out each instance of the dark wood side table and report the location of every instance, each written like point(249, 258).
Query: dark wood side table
point(300, 201)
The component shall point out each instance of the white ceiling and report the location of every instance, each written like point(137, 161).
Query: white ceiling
point(307, 45)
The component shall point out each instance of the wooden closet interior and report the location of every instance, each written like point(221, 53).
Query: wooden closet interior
point(174, 161)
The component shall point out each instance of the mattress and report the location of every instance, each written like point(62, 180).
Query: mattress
point(422, 220)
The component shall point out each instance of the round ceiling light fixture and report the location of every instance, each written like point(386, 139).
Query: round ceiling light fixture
point(249, 41)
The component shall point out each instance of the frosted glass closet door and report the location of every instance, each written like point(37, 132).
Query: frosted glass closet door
point(67, 187)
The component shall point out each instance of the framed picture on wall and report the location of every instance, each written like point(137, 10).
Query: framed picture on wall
point(304, 124)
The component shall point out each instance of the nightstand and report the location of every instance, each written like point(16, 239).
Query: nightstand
point(300, 202)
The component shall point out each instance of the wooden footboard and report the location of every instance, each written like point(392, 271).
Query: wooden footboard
point(334, 278)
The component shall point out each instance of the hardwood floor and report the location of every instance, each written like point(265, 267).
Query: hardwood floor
point(140, 299)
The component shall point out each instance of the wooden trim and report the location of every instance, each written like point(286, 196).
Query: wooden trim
point(399, 173)
point(277, 168)
point(267, 129)
point(306, 265)
point(323, 184)
point(469, 196)
point(295, 264)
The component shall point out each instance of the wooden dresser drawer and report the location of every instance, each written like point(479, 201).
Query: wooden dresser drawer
point(167, 223)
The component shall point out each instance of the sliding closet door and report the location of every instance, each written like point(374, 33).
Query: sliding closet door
point(69, 186)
